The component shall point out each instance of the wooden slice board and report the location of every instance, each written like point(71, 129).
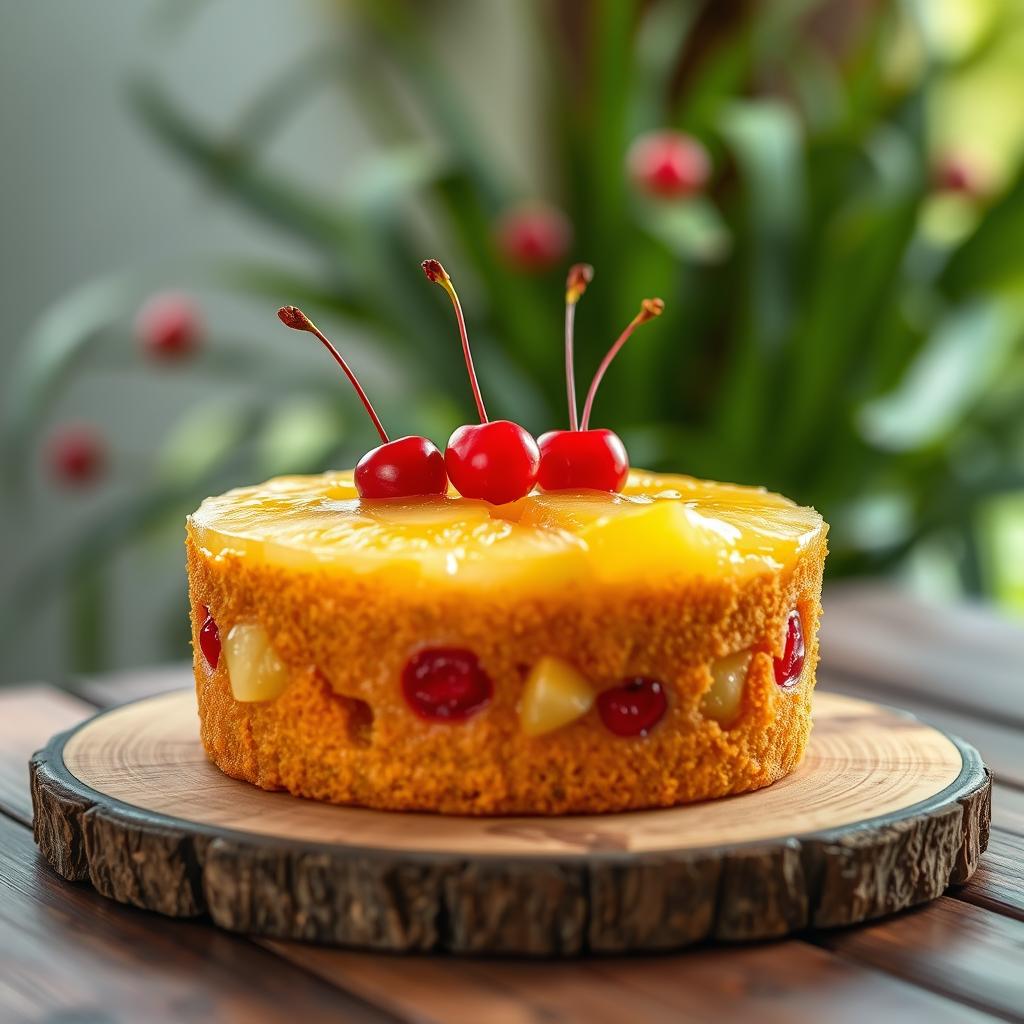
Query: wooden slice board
point(884, 813)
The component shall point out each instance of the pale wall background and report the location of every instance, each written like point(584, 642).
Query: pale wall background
point(85, 191)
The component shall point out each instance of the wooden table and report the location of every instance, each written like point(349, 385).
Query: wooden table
point(67, 954)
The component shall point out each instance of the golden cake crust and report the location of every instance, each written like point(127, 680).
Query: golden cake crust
point(342, 732)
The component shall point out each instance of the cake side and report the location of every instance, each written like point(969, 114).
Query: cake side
point(341, 730)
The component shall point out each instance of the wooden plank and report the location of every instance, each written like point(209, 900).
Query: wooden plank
point(879, 633)
point(784, 982)
point(29, 716)
point(950, 947)
point(70, 954)
point(998, 884)
point(1001, 746)
point(1008, 808)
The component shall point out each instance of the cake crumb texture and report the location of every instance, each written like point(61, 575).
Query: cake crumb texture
point(342, 732)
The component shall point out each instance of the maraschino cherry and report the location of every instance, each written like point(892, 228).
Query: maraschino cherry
point(789, 668)
point(209, 638)
point(496, 460)
point(634, 708)
point(580, 458)
point(446, 684)
point(407, 468)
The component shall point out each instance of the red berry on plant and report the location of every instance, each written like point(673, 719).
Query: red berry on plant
point(169, 326)
point(446, 684)
point(497, 460)
point(533, 236)
point(580, 458)
point(790, 666)
point(955, 173)
point(406, 468)
point(669, 165)
point(209, 639)
point(77, 454)
point(634, 708)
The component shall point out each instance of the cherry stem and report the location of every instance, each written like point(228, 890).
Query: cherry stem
point(293, 317)
point(649, 309)
point(436, 273)
point(580, 275)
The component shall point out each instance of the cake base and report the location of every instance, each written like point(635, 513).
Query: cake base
point(885, 813)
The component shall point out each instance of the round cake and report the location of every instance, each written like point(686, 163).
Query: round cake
point(567, 652)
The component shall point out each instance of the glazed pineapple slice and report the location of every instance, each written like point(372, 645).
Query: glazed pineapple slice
point(659, 525)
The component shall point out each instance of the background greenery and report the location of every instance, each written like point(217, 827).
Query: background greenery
point(837, 326)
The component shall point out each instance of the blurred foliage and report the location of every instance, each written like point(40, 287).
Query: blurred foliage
point(836, 327)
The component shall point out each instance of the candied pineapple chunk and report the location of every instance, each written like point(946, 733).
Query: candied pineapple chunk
point(255, 671)
point(721, 701)
point(555, 695)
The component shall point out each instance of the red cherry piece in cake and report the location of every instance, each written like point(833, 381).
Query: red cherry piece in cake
point(209, 640)
point(446, 684)
point(634, 708)
point(789, 667)
point(405, 468)
point(169, 326)
point(573, 460)
point(669, 165)
point(495, 461)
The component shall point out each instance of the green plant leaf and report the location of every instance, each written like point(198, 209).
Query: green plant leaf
point(968, 352)
point(664, 29)
point(335, 292)
point(611, 57)
point(407, 46)
point(298, 436)
point(817, 86)
point(692, 230)
point(88, 619)
point(854, 278)
point(992, 256)
point(53, 350)
point(227, 165)
point(202, 439)
point(393, 176)
point(766, 141)
point(1001, 540)
point(279, 98)
point(768, 148)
